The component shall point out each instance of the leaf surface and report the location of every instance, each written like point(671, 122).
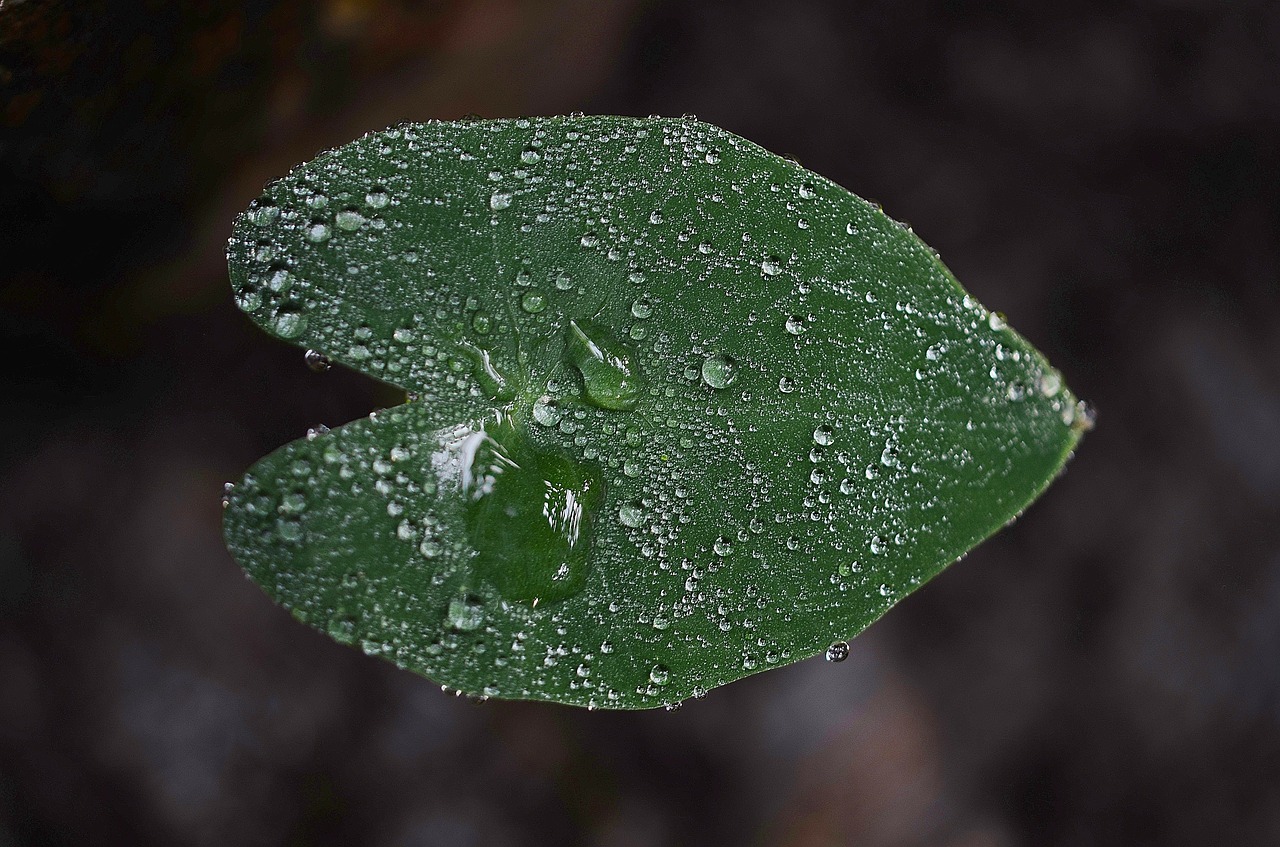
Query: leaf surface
point(680, 410)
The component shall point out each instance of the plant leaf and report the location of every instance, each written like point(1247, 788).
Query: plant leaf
point(681, 410)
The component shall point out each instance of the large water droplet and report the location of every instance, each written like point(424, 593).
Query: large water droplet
point(609, 372)
point(529, 514)
point(719, 371)
point(838, 651)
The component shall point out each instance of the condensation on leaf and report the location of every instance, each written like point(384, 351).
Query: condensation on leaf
point(682, 411)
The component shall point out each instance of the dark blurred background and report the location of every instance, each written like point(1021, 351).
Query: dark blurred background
point(1105, 672)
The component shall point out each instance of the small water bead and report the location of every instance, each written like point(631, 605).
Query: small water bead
point(796, 325)
point(1050, 384)
point(318, 232)
point(719, 371)
point(847, 486)
point(317, 361)
point(771, 266)
point(533, 302)
point(466, 614)
point(824, 435)
point(659, 674)
point(265, 213)
point(530, 155)
point(563, 282)
point(631, 515)
point(641, 309)
point(838, 651)
point(590, 240)
point(289, 529)
point(290, 324)
point(817, 476)
point(499, 200)
point(349, 220)
point(722, 546)
point(807, 192)
point(996, 321)
point(545, 411)
point(786, 385)
point(377, 198)
point(481, 323)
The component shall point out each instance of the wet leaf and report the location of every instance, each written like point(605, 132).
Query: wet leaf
point(681, 410)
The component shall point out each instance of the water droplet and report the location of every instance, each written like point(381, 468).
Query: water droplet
point(659, 674)
point(289, 529)
point(796, 325)
point(722, 546)
point(641, 309)
point(610, 376)
point(377, 198)
point(290, 323)
point(590, 240)
point(530, 155)
point(771, 266)
point(847, 486)
point(563, 282)
point(533, 301)
point(529, 514)
point(466, 613)
point(719, 371)
point(1050, 384)
point(316, 361)
point(996, 321)
point(545, 411)
point(348, 219)
point(824, 435)
point(631, 515)
point(817, 476)
point(499, 200)
point(838, 651)
point(318, 232)
point(264, 213)
point(481, 323)
point(786, 385)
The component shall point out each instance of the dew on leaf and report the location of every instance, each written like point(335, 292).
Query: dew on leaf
point(719, 371)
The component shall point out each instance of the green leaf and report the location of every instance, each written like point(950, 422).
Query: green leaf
point(680, 410)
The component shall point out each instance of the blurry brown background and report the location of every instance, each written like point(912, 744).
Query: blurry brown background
point(1105, 672)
